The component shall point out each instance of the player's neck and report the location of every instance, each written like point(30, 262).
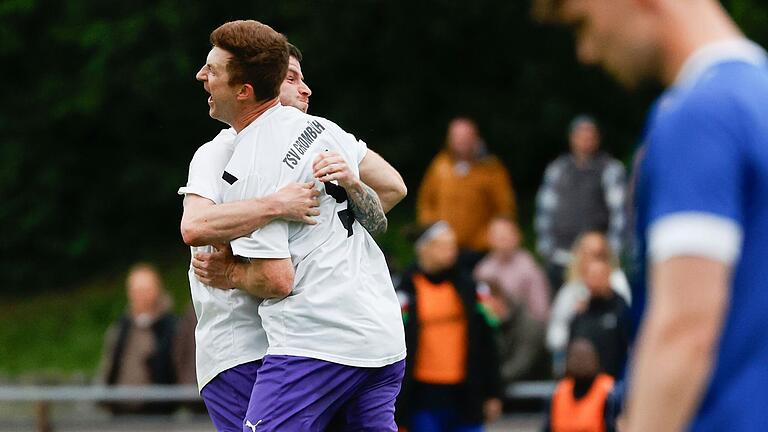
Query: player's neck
point(250, 113)
point(688, 34)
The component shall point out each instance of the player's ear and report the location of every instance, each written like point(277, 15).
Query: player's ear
point(245, 92)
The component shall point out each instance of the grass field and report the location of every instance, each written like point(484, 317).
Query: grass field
point(58, 336)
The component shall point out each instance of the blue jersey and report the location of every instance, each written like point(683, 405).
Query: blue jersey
point(702, 190)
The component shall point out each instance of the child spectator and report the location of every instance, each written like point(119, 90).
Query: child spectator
point(578, 403)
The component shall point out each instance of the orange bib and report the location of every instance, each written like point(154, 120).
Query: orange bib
point(582, 415)
point(442, 352)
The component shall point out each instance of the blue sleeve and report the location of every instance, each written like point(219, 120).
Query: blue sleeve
point(695, 160)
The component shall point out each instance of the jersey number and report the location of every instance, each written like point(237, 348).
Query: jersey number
point(340, 195)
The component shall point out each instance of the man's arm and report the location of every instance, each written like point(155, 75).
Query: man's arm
point(384, 179)
point(260, 277)
point(363, 201)
point(677, 343)
point(206, 223)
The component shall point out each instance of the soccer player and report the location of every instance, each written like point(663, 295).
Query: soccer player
point(336, 342)
point(702, 208)
point(229, 336)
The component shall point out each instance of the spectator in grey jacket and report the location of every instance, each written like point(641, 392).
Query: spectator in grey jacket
point(583, 190)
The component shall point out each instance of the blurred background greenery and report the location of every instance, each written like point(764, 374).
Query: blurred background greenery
point(101, 115)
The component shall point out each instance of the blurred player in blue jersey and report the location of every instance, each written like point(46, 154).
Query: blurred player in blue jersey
point(701, 200)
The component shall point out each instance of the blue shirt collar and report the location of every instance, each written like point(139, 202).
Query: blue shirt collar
point(737, 49)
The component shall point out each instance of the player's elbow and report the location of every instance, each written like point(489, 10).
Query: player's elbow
point(192, 234)
point(280, 287)
point(400, 190)
point(280, 281)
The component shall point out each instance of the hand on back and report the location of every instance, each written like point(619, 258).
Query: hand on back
point(298, 202)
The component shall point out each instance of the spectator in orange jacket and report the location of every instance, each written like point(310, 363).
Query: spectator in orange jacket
point(466, 187)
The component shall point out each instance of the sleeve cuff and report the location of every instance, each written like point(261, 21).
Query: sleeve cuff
point(184, 190)
point(363, 151)
point(242, 248)
point(695, 234)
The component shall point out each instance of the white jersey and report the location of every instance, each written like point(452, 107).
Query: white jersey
point(229, 331)
point(343, 307)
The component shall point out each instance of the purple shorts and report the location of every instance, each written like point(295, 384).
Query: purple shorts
point(227, 396)
point(300, 394)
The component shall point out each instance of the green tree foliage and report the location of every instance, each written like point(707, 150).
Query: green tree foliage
point(101, 113)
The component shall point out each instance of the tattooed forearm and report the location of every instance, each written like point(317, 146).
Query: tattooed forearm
point(366, 206)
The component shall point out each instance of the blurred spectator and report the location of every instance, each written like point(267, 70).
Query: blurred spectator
point(589, 247)
point(583, 190)
point(138, 347)
point(452, 377)
point(466, 187)
point(519, 298)
point(605, 320)
point(579, 401)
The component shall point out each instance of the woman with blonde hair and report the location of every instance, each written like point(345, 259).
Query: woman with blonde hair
point(588, 247)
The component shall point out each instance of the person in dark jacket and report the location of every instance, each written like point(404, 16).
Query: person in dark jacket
point(138, 347)
point(605, 320)
point(452, 381)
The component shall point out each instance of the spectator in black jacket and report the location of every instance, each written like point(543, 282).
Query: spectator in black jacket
point(452, 378)
point(605, 320)
point(138, 347)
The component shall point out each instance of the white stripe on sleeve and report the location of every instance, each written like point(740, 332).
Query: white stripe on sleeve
point(694, 234)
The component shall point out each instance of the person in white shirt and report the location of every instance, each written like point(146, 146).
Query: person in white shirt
point(574, 295)
point(208, 221)
point(336, 342)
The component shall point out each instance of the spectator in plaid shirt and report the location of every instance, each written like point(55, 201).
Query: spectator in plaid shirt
point(583, 190)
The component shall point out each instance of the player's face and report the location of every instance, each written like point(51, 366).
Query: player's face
point(215, 79)
point(294, 91)
point(619, 35)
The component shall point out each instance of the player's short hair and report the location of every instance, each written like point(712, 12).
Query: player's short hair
point(259, 55)
point(293, 51)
